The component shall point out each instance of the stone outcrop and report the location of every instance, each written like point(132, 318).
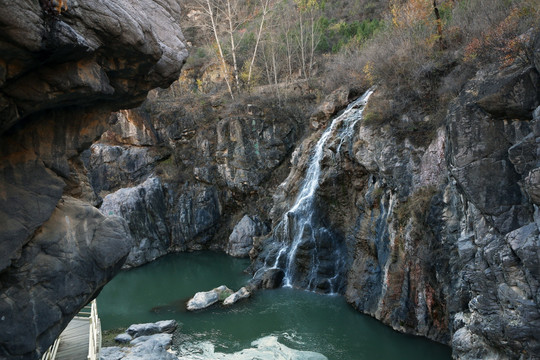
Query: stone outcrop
point(241, 238)
point(143, 207)
point(185, 181)
point(60, 77)
point(164, 326)
point(151, 343)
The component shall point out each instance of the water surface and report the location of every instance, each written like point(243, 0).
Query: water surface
point(301, 320)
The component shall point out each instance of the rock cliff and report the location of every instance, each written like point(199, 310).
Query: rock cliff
point(441, 227)
point(438, 228)
point(184, 176)
point(61, 74)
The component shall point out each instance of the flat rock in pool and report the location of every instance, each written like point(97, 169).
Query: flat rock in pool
point(165, 326)
point(204, 299)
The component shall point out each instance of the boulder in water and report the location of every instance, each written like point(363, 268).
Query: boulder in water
point(243, 293)
point(204, 299)
point(266, 348)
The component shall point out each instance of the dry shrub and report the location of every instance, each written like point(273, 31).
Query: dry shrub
point(505, 39)
point(421, 68)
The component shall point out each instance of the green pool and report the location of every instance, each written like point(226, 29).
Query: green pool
point(301, 320)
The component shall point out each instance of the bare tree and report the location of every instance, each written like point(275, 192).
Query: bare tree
point(264, 11)
point(211, 9)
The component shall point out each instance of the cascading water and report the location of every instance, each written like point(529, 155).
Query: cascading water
point(310, 254)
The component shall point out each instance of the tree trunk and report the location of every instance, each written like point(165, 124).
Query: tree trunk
point(264, 4)
point(439, 24)
point(210, 12)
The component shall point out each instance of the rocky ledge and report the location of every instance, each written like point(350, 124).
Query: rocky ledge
point(61, 74)
point(146, 342)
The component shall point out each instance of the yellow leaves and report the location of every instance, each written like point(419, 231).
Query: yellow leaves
point(471, 50)
point(411, 12)
point(308, 5)
point(368, 72)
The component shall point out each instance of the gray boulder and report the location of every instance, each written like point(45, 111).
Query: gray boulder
point(123, 338)
point(165, 326)
point(84, 249)
point(243, 293)
point(241, 238)
point(152, 347)
point(204, 299)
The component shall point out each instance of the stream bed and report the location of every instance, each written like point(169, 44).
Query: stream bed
point(299, 319)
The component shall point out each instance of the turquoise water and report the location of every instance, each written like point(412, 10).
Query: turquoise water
point(302, 320)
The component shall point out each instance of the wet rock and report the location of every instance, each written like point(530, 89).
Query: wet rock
point(241, 239)
point(165, 326)
point(334, 102)
point(272, 279)
point(243, 293)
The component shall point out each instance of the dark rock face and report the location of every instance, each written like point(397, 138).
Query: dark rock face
point(442, 239)
point(60, 77)
point(75, 253)
point(272, 279)
point(56, 61)
point(184, 181)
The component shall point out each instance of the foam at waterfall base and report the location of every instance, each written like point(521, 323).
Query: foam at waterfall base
point(265, 348)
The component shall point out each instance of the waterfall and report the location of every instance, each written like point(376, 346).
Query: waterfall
point(300, 233)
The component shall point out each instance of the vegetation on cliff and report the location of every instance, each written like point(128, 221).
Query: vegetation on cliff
point(419, 52)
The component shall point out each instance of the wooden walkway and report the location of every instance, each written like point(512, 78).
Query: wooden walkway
point(80, 340)
point(74, 340)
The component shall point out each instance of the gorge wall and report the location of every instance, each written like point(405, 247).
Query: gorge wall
point(61, 75)
point(440, 229)
point(440, 226)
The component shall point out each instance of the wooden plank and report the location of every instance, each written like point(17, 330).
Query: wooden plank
point(74, 341)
